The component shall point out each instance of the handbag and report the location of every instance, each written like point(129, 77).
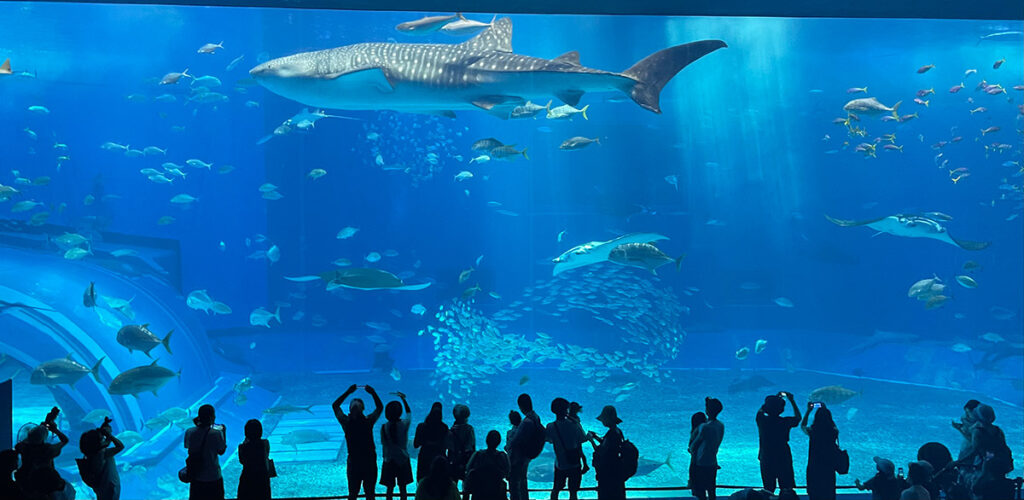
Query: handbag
point(842, 464)
point(192, 463)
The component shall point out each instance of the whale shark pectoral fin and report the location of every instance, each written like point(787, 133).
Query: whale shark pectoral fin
point(970, 245)
point(498, 105)
point(369, 77)
point(570, 97)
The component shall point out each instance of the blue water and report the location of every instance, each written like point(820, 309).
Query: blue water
point(746, 130)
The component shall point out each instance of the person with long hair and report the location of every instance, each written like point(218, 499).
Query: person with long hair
point(394, 446)
point(430, 438)
point(254, 455)
point(822, 452)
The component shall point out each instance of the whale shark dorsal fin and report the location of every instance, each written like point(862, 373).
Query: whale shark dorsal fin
point(498, 37)
point(572, 57)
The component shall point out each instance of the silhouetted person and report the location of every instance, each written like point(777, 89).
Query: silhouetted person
point(822, 452)
point(361, 467)
point(966, 427)
point(611, 483)
point(567, 438)
point(705, 452)
point(394, 446)
point(487, 471)
point(525, 444)
point(574, 416)
point(9, 489)
point(205, 442)
point(773, 436)
point(254, 455)
point(939, 457)
point(695, 420)
point(514, 419)
point(884, 485)
point(437, 484)
point(990, 455)
point(461, 445)
point(918, 473)
point(37, 475)
point(98, 468)
point(431, 436)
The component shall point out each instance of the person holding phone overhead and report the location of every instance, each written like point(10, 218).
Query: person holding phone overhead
point(773, 436)
point(361, 467)
point(822, 452)
point(205, 442)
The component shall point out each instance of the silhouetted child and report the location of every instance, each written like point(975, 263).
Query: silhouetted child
point(514, 419)
point(430, 438)
point(394, 445)
point(487, 471)
point(574, 416)
point(361, 467)
point(254, 455)
point(8, 464)
point(461, 445)
point(695, 420)
point(98, 468)
point(884, 485)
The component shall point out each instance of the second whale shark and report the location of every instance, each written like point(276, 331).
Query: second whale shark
point(480, 73)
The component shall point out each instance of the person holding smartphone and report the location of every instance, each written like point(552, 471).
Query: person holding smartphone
point(206, 442)
point(773, 436)
point(98, 468)
point(821, 452)
point(37, 475)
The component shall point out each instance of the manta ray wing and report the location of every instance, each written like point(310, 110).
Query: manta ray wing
point(601, 251)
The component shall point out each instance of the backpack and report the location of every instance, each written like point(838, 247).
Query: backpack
point(629, 459)
point(90, 472)
point(536, 439)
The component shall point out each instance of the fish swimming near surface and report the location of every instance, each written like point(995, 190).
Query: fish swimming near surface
point(598, 251)
point(425, 25)
point(642, 255)
point(359, 278)
point(146, 378)
point(63, 371)
point(479, 74)
point(912, 226)
point(139, 338)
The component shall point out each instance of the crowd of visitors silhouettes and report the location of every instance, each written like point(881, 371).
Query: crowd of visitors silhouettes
point(448, 456)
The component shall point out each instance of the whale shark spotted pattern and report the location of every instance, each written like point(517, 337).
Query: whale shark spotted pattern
point(480, 73)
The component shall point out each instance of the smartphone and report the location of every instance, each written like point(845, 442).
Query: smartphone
point(900, 473)
point(816, 405)
point(783, 394)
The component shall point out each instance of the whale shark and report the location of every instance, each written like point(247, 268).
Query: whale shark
point(598, 251)
point(481, 73)
point(912, 226)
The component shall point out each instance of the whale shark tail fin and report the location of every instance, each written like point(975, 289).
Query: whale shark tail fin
point(654, 71)
point(971, 245)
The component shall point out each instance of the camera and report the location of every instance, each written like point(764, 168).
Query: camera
point(51, 417)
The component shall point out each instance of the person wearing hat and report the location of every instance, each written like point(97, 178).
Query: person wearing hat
point(206, 441)
point(773, 436)
point(610, 483)
point(884, 485)
point(567, 438)
point(918, 473)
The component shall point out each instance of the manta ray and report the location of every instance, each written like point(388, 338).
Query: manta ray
point(480, 73)
point(359, 278)
point(598, 251)
point(912, 226)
